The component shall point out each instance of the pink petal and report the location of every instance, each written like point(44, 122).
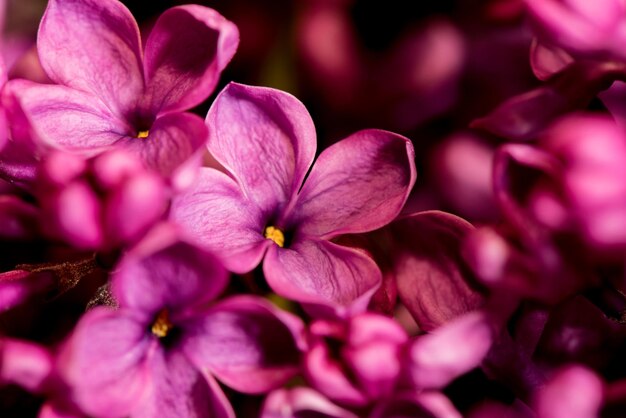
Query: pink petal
point(163, 272)
point(180, 78)
point(246, 343)
point(216, 215)
point(357, 185)
point(68, 118)
point(173, 140)
point(25, 364)
point(16, 286)
point(266, 139)
point(105, 362)
point(178, 389)
point(433, 280)
point(301, 402)
point(18, 220)
point(320, 272)
point(575, 392)
point(450, 351)
point(93, 46)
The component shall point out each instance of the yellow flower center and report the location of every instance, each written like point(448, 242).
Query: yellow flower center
point(143, 134)
point(162, 325)
point(276, 235)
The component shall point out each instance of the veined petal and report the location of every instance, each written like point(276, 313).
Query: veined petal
point(321, 272)
point(266, 139)
point(105, 362)
point(178, 389)
point(162, 272)
point(67, 118)
point(215, 214)
point(93, 46)
point(187, 49)
point(245, 342)
point(357, 185)
point(172, 141)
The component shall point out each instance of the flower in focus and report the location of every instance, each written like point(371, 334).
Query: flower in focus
point(266, 141)
point(110, 92)
point(157, 354)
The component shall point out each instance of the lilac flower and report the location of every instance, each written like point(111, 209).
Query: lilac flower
point(104, 203)
point(266, 141)
point(111, 92)
point(157, 354)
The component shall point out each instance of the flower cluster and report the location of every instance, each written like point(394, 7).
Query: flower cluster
point(261, 262)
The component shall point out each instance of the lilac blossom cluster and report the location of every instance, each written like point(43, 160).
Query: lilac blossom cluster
point(156, 264)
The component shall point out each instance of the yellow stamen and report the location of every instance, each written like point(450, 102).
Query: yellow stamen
point(143, 134)
point(162, 325)
point(276, 235)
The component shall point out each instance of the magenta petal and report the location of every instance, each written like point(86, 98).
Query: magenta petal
point(16, 286)
point(357, 185)
point(173, 140)
point(25, 364)
point(105, 362)
point(19, 220)
point(178, 389)
point(93, 46)
point(266, 139)
point(574, 392)
point(216, 215)
point(451, 350)
point(301, 402)
point(161, 272)
point(410, 406)
point(246, 343)
point(68, 118)
point(321, 272)
point(180, 78)
point(433, 281)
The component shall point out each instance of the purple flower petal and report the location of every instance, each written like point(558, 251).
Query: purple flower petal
point(216, 214)
point(105, 362)
point(25, 364)
point(93, 46)
point(321, 272)
point(173, 140)
point(17, 286)
point(246, 344)
point(68, 118)
point(180, 78)
point(266, 139)
point(357, 185)
point(162, 272)
point(18, 220)
point(301, 402)
point(451, 350)
point(178, 390)
point(433, 281)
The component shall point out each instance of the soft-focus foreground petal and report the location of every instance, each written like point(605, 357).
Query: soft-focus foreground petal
point(163, 272)
point(19, 220)
point(105, 362)
point(524, 116)
point(411, 406)
point(25, 364)
point(266, 139)
point(173, 140)
point(574, 392)
point(357, 185)
point(216, 215)
point(17, 286)
point(93, 46)
point(321, 272)
point(180, 390)
point(457, 347)
point(301, 402)
point(68, 118)
point(180, 78)
point(433, 281)
point(246, 343)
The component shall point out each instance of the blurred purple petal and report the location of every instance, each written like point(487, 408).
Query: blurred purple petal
point(17, 286)
point(25, 364)
point(301, 402)
point(244, 343)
